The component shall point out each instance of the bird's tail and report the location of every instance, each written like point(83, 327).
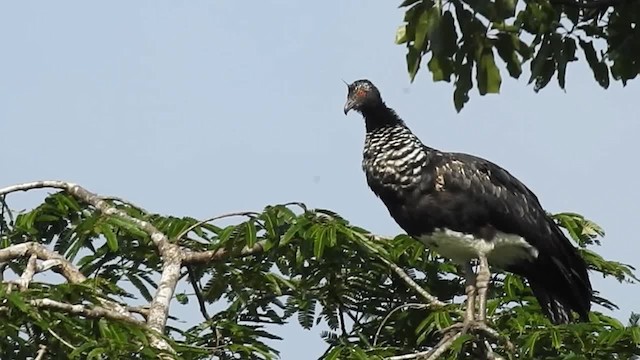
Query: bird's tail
point(562, 285)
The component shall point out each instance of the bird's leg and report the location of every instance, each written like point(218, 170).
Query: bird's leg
point(470, 311)
point(482, 283)
point(470, 290)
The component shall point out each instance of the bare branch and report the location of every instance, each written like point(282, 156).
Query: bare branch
point(142, 310)
point(95, 312)
point(431, 354)
point(159, 307)
point(198, 257)
point(29, 272)
point(70, 272)
point(41, 352)
point(125, 202)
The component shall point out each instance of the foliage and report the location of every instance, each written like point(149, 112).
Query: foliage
point(463, 37)
point(314, 268)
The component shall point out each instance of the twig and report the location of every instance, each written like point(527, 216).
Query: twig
point(432, 353)
point(433, 301)
point(197, 257)
point(401, 307)
point(198, 292)
point(443, 346)
point(41, 352)
point(55, 335)
point(125, 202)
point(144, 311)
point(200, 223)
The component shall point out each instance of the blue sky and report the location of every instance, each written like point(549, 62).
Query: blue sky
point(201, 108)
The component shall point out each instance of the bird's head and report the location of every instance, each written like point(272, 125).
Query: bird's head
point(362, 94)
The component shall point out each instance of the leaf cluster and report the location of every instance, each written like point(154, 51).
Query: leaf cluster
point(311, 266)
point(465, 37)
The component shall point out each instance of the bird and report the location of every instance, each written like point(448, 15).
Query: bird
point(469, 210)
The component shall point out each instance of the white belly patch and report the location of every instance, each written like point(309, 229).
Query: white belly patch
point(503, 250)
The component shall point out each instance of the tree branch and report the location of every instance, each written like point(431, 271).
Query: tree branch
point(29, 272)
point(41, 352)
point(433, 301)
point(198, 257)
point(96, 312)
point(171, 254)
point(70, 272)
point(430, 354)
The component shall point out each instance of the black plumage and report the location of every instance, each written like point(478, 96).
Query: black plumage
point(464, 207)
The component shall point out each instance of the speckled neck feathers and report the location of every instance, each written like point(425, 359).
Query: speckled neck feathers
point(393, 156)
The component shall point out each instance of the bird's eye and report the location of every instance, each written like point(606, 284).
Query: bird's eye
point(361, 93)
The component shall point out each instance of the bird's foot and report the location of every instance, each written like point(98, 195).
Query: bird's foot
point(465, 326)
point(478, 327)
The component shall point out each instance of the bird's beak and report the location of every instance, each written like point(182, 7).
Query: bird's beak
point(348, 106)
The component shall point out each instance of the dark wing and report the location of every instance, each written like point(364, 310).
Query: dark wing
point(512, 207)
point(559, 276)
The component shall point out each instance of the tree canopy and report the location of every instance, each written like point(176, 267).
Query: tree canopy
point(459, 38)
point(379, 297)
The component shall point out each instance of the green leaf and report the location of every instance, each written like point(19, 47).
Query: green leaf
point(506, 8)
point(401, 35)
point(463, 85)
point(112, 240)
point(488, 75)
point(539, 61)
point(318, 243)
point(293, 230)
point(16, 300)
point(96, 353)
point(565, 52)
point(599, 69)
point(250, 232)
point(413, 62)
point(506, 46)
point(423, 24)
point(140, 286)
point(444, 37)
point(182, 298)
point(441, 68)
